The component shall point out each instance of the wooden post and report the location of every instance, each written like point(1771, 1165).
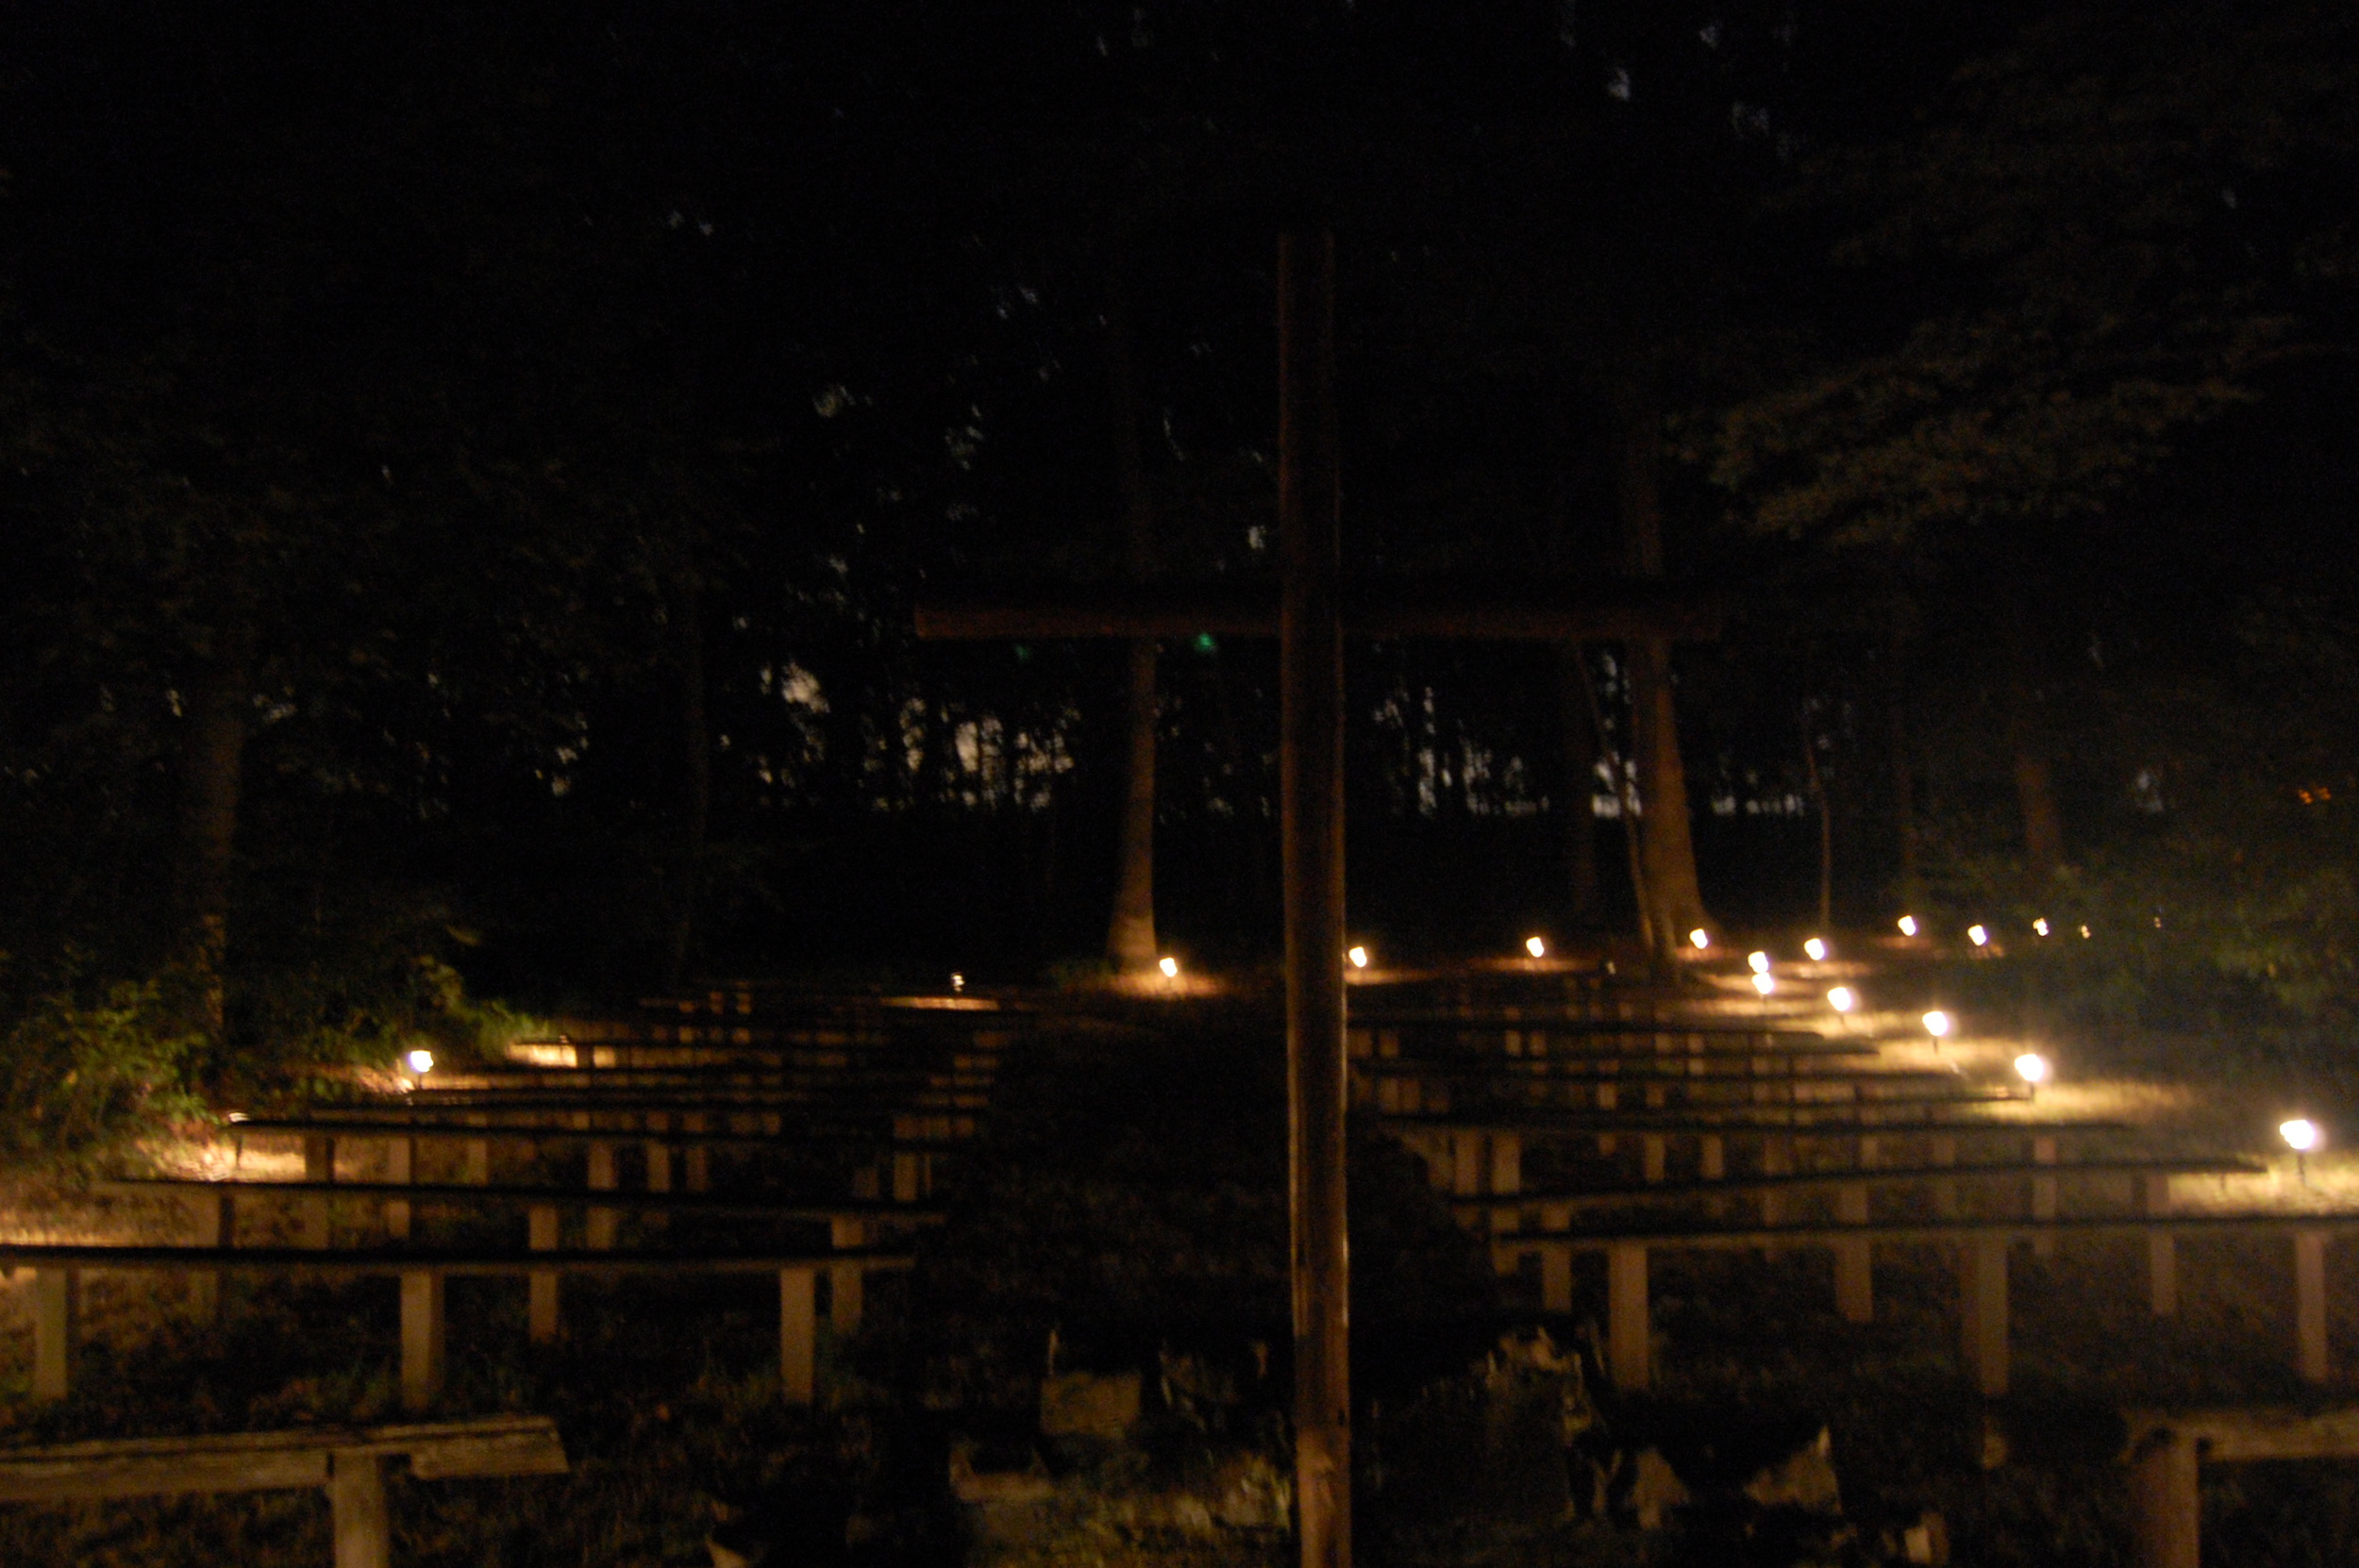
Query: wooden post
point(400, 1167)
point(318, 1164)
point(603, 1222)
point(798, 1335)
point(56, 1303)
point(422, 1339)
point(2310, 1304)
point(1982, 1315)
point(542, 1314)
point(2167, 1502)
point(1630, 1328)
point(356, 1504)
point(1310, 787)
point(1854, 1258)
point(2162, 1251)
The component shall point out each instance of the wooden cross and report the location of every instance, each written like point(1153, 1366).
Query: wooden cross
point(1310, 611)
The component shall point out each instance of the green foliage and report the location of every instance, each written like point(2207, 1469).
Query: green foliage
point(83, 1078)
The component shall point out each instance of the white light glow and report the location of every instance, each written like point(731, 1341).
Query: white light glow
point(2301, 1134)
point(2031, 1067)
point(1816, 948)
point(1843, 998)
point(1908, 925)
point(1763, 984)
point(1757, 962)
point(2085, 932)
point(2039, 927)
point(1937, 1023)
point(1170, 968)
point(1699, 938)
point(958, 981)
point(1358, 956)
point(1978, 936)
point(1536, 947)
point(420, 1062)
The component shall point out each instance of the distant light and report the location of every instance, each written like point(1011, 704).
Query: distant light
point(421, 1061)
point(1978, 936)
point(1843, 998)
point(1699, 938)
point(1908, 925)
point(1816, 948)
point(2031, 1067)
point(958, 981)
point(1763, 984)
point(2085, 932)
point(237, 1116)
point(1170, 968)
point(1358, 956)
point(1757, 962)
point(2040, 928)
point(2301, 1135)
point(1937, 1023)
point(1536, 947)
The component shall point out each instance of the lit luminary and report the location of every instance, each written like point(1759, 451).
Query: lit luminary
point(1908, 925)
point(1536, 947)
point(1358, 956)
point(1763, 984)
point(1843, 998)
point(1757, 962)
point(958, 981)
point(1170, 967)
point(2039, 927)
point(1978, 936)
point(2031, 1067)
point(1699, 938)
point(1937, 1023)
point(2301, 1134)
point(421, 1061)
point(1816, 948)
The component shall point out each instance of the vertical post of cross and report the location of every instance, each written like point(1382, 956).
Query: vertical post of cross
point(1310, 764)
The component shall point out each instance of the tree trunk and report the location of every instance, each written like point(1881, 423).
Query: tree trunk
point(212, 758)
point(1912, 883)
point(2034, 787)
point(1574, 697)
point(1130, 933)
point(696, 753)
point(1664, 835)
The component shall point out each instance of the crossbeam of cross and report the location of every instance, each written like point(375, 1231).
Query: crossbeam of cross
point(1310, 609)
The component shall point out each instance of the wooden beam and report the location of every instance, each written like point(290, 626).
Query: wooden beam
point(798, 1335)
point(2167, 1501)
point(2310, 1304)
point(1630, 1322)
point(57, 1301)
point(362, 1527)
point(423, 1340)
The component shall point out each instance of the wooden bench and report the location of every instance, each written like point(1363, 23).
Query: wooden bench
point(1981, 1247)
point(2166, 1449)
point(348, 1463)
point(422, 1273)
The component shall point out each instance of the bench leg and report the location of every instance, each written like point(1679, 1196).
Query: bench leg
point(356, 1502)
point(603, 1223)
point(1630, 1328)
point(57, 1300)
point(541, 1300)
point(1556, 1279)
point(2166, 1504)
point(798, 1335)
point(422, 1339)
point(2310, 1304)
point(318, 1164)
point(1982, 1291)
point(400, 1167)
